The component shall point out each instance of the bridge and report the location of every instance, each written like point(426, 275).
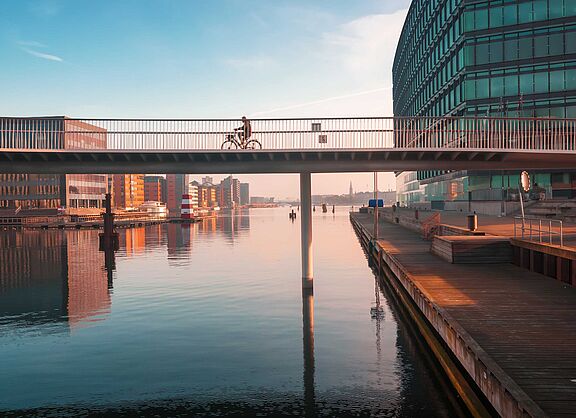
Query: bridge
point(65, 145)
point(58, 145)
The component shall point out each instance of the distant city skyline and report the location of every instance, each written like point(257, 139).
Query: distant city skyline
point(183, 59)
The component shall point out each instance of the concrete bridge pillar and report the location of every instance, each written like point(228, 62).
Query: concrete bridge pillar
point(306, 230)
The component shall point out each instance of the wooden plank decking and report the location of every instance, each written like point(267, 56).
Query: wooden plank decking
point(523, 321)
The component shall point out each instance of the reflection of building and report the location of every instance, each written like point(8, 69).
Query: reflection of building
point(179, 240)
point(155, 189)
point(88, 292)
point(128, 190)
point(50, 191)
point(133, 240)
point(485, 59)
point(176, 185)
point(52, 276)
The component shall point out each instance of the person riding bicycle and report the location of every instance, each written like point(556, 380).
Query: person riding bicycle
point(244, 131)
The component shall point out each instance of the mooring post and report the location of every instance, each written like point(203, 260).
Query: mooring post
point(376, 206)
point(306, 229)
point(108, 221)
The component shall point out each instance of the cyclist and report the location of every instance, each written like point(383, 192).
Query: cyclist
point(244, 131)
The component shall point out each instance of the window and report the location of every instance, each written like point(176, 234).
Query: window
point(481, 19)
point(511, 85)
point(469, 55)
point(540, 8)
point(570, 8)
point(482, 88)
point(541, 82)
point(557, 80)
point(495, 51)
point(556, 8)
point(496, 87)
point(470, 89)
point(526, 83)
point(556, 44)
point(525, 12)
point(511, 50)
point(570, 42)
point(495, 17)
point(482, 56)
point(525, 48)
point(570, 76)
point(541, 46)
point(510, 14)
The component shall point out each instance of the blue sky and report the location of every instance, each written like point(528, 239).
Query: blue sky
point(200, 59)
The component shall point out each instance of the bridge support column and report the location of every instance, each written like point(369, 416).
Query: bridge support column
point(306, 230)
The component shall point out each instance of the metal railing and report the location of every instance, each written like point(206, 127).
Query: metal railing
point(542, 230)
point(418, 133)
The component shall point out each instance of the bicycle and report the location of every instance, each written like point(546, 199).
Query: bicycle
point(235, 141)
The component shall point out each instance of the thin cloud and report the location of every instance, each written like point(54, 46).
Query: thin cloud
point(325, 100)
point(32, 44)
point(42, 55)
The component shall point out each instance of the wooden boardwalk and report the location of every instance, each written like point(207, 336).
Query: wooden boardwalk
point(525, 323)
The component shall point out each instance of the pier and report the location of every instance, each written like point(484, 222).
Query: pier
point(509, 330)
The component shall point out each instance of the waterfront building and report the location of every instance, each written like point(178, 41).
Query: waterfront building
point(176, 186)
point(482, 58)
point(155, 189)
point(32, 191)
point(230, 192)
point(193, 193)
point(128, 190)
point(207, 196)
point(244, 193)
point(261, 200)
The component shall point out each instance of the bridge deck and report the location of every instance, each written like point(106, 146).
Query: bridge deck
point(67, 161)
point(523, 321)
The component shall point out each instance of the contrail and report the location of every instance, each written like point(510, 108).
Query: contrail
point(328, 99)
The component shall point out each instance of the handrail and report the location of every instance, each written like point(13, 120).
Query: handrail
point(411, 133)
point(535, 227)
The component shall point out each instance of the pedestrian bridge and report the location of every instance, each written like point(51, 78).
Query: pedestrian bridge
point(66, 145)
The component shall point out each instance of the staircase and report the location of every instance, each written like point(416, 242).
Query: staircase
point(553, 209)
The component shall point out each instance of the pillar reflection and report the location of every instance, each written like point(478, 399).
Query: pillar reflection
point(308, 349)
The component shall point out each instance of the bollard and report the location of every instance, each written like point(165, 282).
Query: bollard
point(472, 222)
point(416, 214)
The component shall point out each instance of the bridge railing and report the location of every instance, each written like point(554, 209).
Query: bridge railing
point(289, 134)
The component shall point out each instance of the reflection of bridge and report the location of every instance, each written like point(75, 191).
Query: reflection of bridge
point(305, 146)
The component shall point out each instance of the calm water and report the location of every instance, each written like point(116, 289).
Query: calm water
point(205, 319)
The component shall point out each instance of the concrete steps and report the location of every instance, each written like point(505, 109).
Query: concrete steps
point(472, 249)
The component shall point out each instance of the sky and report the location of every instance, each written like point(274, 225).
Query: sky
point(204, 59)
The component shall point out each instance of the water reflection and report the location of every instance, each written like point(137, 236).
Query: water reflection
point(52, 277)
point(308, 348)
point(200, 326)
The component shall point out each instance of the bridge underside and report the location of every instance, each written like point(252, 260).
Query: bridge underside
point(262, 161)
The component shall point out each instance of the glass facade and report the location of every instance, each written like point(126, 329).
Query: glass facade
point(510, 58)
point(51, 191)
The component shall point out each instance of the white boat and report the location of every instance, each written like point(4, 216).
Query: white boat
point(155, 209)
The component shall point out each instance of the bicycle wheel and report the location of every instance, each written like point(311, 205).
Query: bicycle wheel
point(229, 144)
point(253, 144)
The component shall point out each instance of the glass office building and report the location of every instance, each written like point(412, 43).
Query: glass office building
point(510, 58)
point(31, 191)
